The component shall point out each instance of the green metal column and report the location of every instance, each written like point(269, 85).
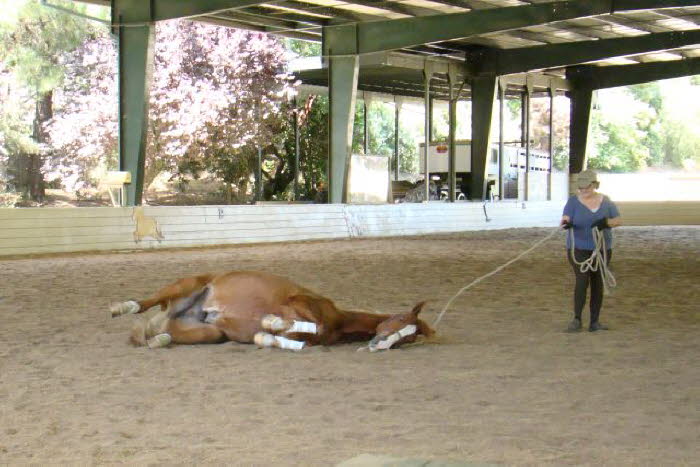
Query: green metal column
point(580, 117)
point(295, 195)
point(526, 112)
point(427, 102)
point(398, 103)
point(452, 135)
point(343, 68)
point(367, 101)
point(501, 134)
point(483, 95)
point(135, 72)
point(552, 93)
point(523, 123)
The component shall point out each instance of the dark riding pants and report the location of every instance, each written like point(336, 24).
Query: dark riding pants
point(595, 279)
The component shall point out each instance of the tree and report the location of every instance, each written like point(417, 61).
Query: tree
point(663, 131)
point(313, 150)
point(620, 147)
point(215, 97)
point(84, 129)
point(31, 37)
point(236, 83)
point(303, 48)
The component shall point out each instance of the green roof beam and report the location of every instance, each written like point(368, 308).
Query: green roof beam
point(132, 11)
point(505, 62)
point(626, 75)
point(407, 32)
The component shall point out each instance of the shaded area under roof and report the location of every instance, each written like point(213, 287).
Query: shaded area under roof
point(401, 74)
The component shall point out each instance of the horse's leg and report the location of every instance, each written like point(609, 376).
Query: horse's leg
point(264, 339)
point(180, 289)
point(187, 332)
point(277, 324)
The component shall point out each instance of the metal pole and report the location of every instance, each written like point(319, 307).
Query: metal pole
point(296, 150)
point(451, 163)
point(427, 74)
point(397, 111)
point(551, 143)
point(527, 141)
point(366, 126)
point(501, 135)
point(258, 177)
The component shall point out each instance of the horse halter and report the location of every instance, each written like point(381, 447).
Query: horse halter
point(385, 343)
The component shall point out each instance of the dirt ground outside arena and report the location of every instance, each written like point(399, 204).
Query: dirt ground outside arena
point(501, 385)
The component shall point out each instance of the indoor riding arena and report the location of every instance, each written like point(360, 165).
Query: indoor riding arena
point(403, 151)
point(501, 383)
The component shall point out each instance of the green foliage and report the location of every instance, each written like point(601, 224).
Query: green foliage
point(514, 106)
point(655, 136)
point(30, 45)
point(313, 151)
point(619, 147)
point(32, 38)
point(680, 141)
point(382, 135)
point(303, 48)
point(649, 93)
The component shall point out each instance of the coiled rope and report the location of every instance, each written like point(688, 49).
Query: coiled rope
point(598, 259)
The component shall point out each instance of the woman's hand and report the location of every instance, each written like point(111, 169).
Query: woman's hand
point(565, 223)
point(601, 224)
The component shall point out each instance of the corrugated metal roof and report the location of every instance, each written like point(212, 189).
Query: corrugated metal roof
point(305, 18)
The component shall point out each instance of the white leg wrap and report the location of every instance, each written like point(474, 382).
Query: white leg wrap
point(303, 326)
point(264, 339)
point(284, 343)
point(274, 323)
point(161, 340)
point(124, 308)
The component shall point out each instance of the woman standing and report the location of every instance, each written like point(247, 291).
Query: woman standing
point(584, 212)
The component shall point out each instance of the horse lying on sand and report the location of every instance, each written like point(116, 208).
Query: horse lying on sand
point(261, 308)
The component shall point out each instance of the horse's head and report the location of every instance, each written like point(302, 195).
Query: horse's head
point(400, 329)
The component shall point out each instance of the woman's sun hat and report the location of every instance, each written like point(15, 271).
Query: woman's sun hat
point(586, 178)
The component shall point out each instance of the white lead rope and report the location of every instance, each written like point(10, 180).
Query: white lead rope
point(498, 269)
point(598, 260)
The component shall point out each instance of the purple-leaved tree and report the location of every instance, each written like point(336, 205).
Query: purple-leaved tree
point(216, 95)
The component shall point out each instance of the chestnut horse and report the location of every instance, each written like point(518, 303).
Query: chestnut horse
point(261, 308)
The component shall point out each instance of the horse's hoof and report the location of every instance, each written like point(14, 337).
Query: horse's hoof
point(274, 323)
point(264, 339)
point(161, 340)
point(124, 308)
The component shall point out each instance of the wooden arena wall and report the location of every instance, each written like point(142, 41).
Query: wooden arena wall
point(57, 230)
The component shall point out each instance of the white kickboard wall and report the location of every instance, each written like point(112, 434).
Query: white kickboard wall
point(57, 230)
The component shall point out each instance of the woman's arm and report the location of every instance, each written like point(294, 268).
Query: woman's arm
point(615, 221)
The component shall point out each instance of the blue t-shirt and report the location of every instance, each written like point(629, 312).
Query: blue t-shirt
point(583, 218)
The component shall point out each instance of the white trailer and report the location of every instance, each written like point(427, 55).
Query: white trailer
point(513, 165)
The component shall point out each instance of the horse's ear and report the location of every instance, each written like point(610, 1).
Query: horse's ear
point(417, 309)
point(424, 328)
